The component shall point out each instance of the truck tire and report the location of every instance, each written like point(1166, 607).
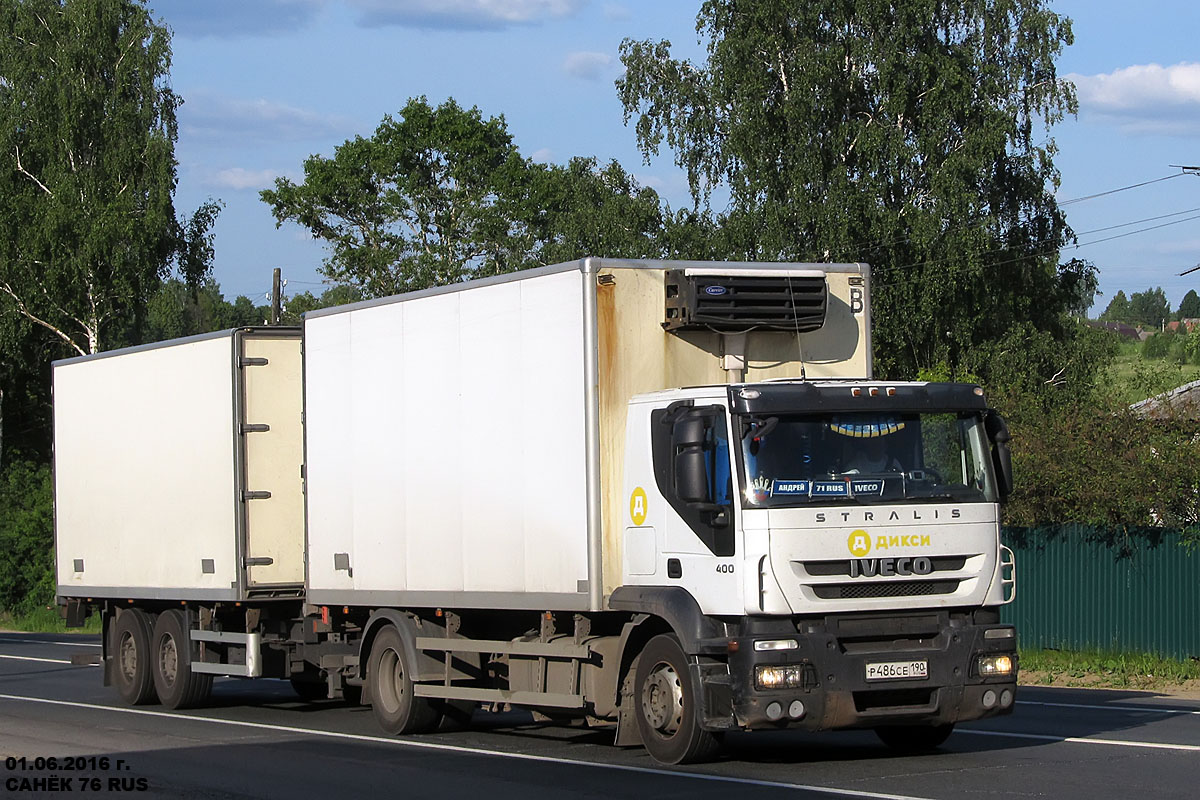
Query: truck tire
point(396, 707)
point(130, 648)
point(914, 738)
point(664, 704)
point(171, 654)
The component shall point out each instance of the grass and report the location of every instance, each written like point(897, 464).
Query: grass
point(45, 620)
point(1099, 668)
point(1135, 378)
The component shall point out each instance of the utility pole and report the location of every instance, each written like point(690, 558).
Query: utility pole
point(276, 290)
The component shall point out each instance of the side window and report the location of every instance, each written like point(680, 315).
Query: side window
point(692, 469)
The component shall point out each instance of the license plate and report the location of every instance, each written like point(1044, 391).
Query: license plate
point(896, 670)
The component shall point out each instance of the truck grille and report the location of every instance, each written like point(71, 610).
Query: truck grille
point(842, 566)
point(733, 303)
point(858, 591)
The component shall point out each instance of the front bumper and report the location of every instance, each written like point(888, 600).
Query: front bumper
point(833, 653)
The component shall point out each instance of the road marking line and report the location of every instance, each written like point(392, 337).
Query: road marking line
point(4, 639)
point(1154, 709)
point(47, 660)
point(574, 762)
point(1083, 739)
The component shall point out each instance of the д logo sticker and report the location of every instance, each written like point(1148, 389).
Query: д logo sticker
point(859, 543)
point(637, 506)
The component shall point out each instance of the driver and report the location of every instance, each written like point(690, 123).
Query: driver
point(870, 455)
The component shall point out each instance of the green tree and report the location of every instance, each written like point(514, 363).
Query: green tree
point(582, 209)
point(26, 536)
point(1149, 308)
point(1118, 309)
point(441, 195)
point(87, 133)
point(295, 307)
point(425, 201)
point(1189, 306)
point(907, 134)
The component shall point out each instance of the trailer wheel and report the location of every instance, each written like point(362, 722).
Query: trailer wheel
point(130, 648)
point(389, 682)
point(914, 738)
point(171, 650)
point(667, 716)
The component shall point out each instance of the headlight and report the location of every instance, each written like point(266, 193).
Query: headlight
point(782, 676)
point(995, 665)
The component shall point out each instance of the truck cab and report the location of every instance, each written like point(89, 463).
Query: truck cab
point(851, 528)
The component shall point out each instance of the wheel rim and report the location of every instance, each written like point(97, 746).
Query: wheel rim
point(128, 657)
point(391, 681)
point(168, 660)
point(662, 699)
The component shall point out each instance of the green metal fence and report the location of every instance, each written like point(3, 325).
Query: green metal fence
point(1081, 588)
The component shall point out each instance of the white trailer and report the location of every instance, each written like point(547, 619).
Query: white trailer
point(631, 491)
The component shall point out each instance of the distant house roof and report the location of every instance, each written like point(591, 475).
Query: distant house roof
point(1128, 331)
point(1183, 400)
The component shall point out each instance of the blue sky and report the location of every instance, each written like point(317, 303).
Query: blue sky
point(269, 82)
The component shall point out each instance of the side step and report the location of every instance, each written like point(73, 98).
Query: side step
point(252, 642)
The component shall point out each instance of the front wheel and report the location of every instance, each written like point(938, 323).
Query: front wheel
point(389, 681)
point(914, 738)
point(664, 702)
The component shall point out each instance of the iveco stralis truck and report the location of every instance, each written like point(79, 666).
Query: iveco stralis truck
point(664, 497)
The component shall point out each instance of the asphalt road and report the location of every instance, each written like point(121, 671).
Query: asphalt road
point(258, 740)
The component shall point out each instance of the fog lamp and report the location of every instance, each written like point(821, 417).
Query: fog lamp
point(782, 676)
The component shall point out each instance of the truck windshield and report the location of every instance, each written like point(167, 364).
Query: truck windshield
point(864, 458)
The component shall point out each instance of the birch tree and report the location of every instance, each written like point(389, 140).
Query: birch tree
point(87, 169)
point(907, 133)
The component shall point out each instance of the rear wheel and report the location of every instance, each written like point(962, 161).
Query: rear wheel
point(171, 649)
point(129, 645)
point(389, 681)
point(914, 738)
point(667, 717)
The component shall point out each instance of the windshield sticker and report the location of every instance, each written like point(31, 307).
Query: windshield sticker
point(830, 489)
point(866, 430)
point(867, 488)
point(789, 488)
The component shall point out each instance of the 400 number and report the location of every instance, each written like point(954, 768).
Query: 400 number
point(725, 569)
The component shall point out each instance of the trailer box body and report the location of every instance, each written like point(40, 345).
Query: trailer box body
point(465, 445)
point(178, 469)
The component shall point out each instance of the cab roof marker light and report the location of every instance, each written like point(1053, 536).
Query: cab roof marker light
point(891, 391)
point(874, 391)
point(776, 644)
point(856, 391)
point(979, 391)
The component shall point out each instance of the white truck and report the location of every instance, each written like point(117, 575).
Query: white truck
point(665, 497)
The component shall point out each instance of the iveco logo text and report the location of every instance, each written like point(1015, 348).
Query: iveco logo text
point(884, 567)
point(715, 291)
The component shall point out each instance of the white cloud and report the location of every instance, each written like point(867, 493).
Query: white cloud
point(589, 66)
point(462, 14)
point(545, 155)
point(209, 116)
point(1144, 98)
point(238, 179)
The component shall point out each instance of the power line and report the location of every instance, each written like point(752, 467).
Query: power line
point(1121, 189)
point(1139, 221)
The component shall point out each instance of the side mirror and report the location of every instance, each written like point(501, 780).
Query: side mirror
point(691, 476)
point(997, 431)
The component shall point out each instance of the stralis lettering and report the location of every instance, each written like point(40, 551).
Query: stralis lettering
point(884, 567)
point(919, 515)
